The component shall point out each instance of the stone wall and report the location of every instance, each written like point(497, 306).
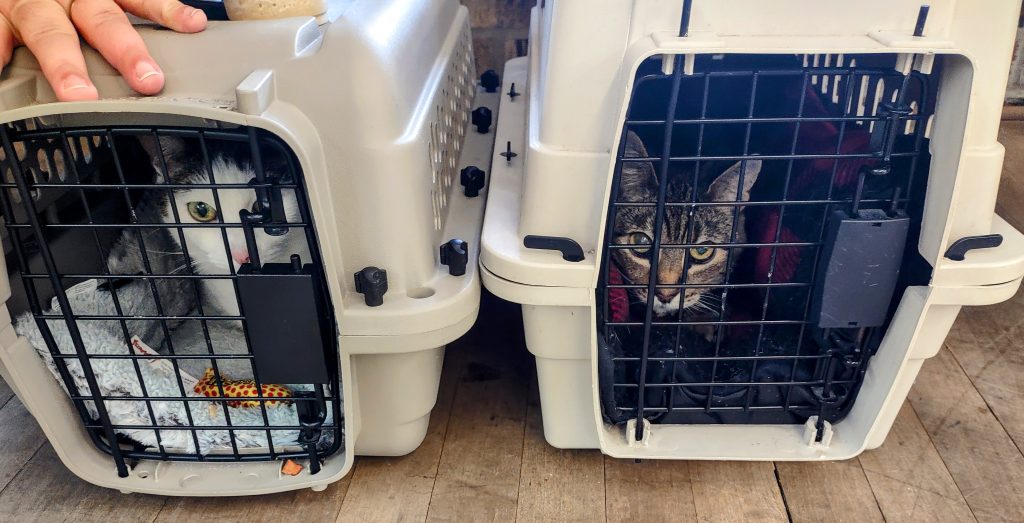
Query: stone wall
point(500, 29)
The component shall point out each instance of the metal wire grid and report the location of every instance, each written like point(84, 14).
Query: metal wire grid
point(662, 369)
point(31, 232)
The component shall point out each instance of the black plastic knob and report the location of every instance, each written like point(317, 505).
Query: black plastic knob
point(490, 81)
point(473, 179)
point(372, 283)
point(455, 254)
point(482, 119)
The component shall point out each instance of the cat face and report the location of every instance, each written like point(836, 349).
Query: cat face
point(709, 225)
point(206, 246)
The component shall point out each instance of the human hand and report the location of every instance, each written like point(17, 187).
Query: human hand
point(51, 28)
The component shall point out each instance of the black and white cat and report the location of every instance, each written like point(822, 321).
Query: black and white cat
point(206, 245)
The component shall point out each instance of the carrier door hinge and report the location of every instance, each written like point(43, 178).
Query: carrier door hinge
point(631, 433)
point(818, 436)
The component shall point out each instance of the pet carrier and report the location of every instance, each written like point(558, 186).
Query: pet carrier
point(777, 211)
point(262, 264)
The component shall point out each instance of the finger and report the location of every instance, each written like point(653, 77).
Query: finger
point(43, 26)
point(105, 26)
point(7, 42)
point(168, 13)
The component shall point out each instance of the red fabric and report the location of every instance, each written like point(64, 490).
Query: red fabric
point(618, 299)
point(787, 259)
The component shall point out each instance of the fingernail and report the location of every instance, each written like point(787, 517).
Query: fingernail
point(145, 69)
point(74, 82)
point(192, 11)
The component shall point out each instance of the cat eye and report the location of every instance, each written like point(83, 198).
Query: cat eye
point(202, 211)
point(701, 254)
point(639, 238)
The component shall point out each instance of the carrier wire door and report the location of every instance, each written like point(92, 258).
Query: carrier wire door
point(109, 198)
point(715, 304)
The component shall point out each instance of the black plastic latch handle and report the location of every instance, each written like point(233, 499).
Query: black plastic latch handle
point(571, 251)
point(473, 180)
point(455, 254)
point(482, 118)
point(959, 249)
point(372, 283)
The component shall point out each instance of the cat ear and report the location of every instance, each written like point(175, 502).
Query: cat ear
point(169, 151)
point(725, 187)
point(637, 177)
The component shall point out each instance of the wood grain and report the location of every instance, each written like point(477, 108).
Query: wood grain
point(653, 490)
point(5, 393)
point(986, 465)
point(908, 478)
point(828, 491)
point(736, 491)
point(398, 489)
point(45, 491)
point(20, 439)
point(478, 477)
point(558, 485)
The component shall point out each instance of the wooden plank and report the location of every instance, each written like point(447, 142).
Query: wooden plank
point(909, 480)
point(827, 491)
point(1011, 187)
point(652, 490)
point(983, 460)
point(300, 506)
point(995, 366)
point(45, 491)
point(558, 485)
point(20, 439)
point(478, 477)
point(398, 489)
point(736, 491)
point(5, 393)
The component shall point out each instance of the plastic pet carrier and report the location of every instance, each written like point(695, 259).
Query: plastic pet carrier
point(778, 210)
point(235, 286)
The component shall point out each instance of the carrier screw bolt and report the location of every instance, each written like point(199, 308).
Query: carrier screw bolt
point(482, 119)
point(490, 81)
point(508, 154)
point(455, 254)
point(473, 179)
point(372, 283)
point(512, 93)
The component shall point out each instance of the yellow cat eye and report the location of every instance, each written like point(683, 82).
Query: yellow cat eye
point(639, 238)
point(202, 211)
point(701, 254)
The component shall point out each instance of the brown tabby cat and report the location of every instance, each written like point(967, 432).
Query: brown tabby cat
point(711, 225)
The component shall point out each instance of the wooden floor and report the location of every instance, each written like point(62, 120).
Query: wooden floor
point(953, 455)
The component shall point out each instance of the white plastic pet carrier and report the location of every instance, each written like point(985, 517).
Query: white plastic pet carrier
point(738, 228)
point(261, 264)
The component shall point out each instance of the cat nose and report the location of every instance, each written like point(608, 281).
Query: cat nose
point(667, 295)
point(240, 257)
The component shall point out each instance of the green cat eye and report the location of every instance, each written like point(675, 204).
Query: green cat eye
point(701, 254)
point(202, 211)
point(639, 238)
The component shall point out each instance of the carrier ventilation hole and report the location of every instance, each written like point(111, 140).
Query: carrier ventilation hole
point(453, 103)
point(46, 161)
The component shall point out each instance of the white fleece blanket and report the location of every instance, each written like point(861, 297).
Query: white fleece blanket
point(118, 377)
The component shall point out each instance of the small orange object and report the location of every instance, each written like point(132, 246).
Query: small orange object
point(291, 468)
point(240, 389)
